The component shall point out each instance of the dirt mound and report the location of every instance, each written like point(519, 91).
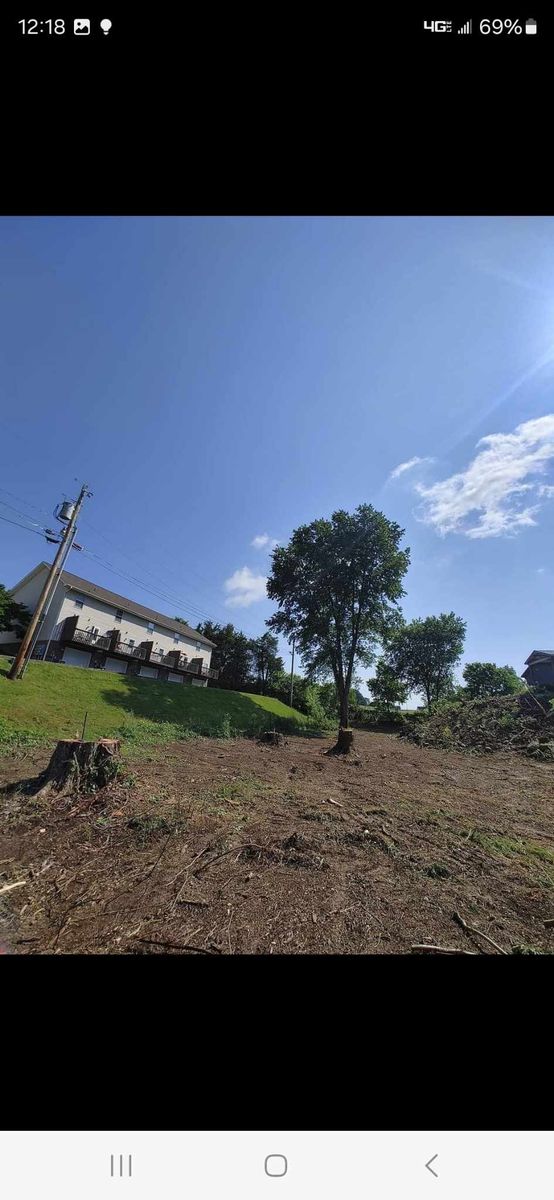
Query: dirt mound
point(483, 726)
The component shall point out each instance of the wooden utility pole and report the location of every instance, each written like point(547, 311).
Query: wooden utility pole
point(292, 673)
point(27, 645)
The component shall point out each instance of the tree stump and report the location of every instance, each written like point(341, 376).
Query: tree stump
point(344, 742)
point(271, 738)
point(78, 766)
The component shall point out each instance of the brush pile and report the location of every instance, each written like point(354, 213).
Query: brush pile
point(483, 726)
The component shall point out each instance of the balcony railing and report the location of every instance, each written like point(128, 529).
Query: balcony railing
point(91, 639)
point(132, 651)
point(167, 659)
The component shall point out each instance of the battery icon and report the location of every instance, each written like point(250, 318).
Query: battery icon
point(530, 26)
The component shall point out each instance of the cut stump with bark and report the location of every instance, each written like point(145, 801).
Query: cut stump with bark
point(78, 766)
point(271, 737)
point(344, 742)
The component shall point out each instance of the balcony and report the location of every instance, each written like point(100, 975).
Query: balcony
point(89, 638)
point(131, 650)
point(100, 641)
point(72, 635)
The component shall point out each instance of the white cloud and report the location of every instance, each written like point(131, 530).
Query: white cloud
point(245, 588)
point(263, 539)
point(407, 466)
point(496, 494)
point(541, 570)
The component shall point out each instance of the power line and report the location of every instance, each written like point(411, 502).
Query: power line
point(141, 567)
point(147, 587)
point(165, 594)
point(20, 526)
point(27, 503)
point(160, 591)
point(20, 514)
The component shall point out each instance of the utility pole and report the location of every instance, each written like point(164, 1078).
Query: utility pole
point(292, 673)
point(26, 648)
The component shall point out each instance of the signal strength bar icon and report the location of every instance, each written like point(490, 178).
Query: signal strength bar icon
point(465, 28)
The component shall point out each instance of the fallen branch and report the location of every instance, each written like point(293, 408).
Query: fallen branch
point(8, 887)
point(472, 929)
point(160, 856)
point(442, 950)
point(329, 801)
point(549, 923)
point(177, 946)
point(224, 853)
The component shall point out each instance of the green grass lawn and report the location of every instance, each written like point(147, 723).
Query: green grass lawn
point(51, 701)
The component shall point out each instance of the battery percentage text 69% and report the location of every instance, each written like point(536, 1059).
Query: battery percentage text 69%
point(498, 26)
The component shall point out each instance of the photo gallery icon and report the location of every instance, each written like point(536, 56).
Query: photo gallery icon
point(81, 26)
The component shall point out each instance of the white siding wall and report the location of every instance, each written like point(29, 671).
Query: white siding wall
point(30, 592)
point(28, 595)
point(96, 615)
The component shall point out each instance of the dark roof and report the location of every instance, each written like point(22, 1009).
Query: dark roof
point(130, 606)
point(543, 653)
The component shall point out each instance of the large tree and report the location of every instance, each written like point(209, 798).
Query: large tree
point(232, 655)
point(423, 654)
point(386, 688)
point(13, 616)
point(486, 679)
point(337, 584)
point(266, 660)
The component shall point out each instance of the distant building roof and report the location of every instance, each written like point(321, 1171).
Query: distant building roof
point(138, 610)
point(540, 654)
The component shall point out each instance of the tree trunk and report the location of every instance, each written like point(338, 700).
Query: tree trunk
point(344, 741)
point(346, 735)
point(78, 766)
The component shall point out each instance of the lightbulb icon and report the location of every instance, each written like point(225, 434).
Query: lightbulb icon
point(105, 25)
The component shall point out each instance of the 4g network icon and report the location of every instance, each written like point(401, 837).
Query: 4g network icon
point(438, 26)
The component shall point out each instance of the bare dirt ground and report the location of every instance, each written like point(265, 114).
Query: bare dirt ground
point(231, 847)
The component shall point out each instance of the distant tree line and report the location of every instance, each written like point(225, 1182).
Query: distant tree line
point(337, 586)
point(254, 665)
point(421, 657)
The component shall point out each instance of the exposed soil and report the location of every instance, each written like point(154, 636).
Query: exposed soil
point(221, 847)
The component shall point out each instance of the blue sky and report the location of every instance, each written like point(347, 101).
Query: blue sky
point(218, 381)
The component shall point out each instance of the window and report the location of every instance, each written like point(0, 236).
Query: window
point(198, 646)
point(131, 641)
point(151, 626)
point(118, 614)
point(78, 603)
point(176, 638)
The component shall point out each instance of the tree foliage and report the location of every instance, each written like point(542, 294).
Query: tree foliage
point(484, 679)
point(337, 584)
point(386, 688)
point(423, 655)
point(232, 655)
point(13, 616)
point(266, 661)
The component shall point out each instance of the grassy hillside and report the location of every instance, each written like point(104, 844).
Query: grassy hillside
point(51, 701)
